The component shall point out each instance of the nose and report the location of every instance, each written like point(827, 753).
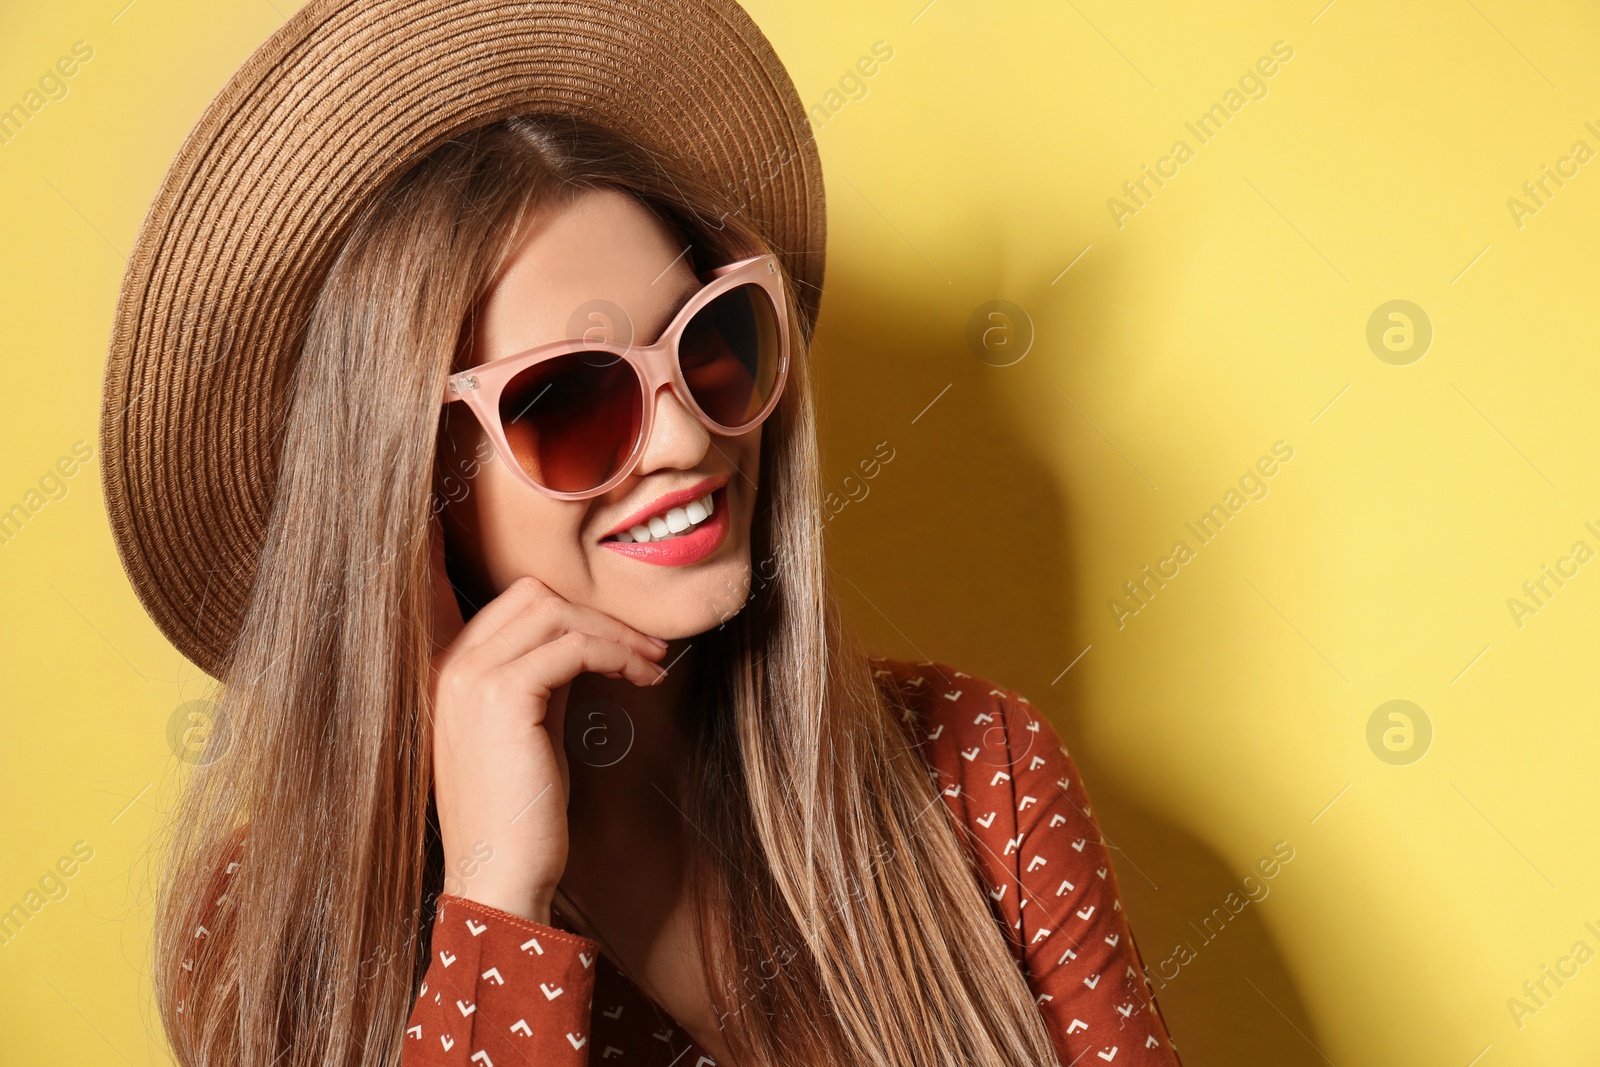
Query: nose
point(677, 438)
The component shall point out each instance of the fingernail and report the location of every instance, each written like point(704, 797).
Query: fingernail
point(658, 641)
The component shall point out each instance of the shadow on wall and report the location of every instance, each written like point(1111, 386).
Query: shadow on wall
point(960, 549)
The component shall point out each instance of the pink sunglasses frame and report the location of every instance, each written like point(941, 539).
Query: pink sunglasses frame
point(654, 365)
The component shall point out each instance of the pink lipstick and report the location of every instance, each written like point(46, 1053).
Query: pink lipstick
point(688, 547)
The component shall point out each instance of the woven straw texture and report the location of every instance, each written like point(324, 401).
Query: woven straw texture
point(246, 222)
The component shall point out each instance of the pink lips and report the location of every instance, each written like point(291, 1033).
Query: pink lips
point(691, 547)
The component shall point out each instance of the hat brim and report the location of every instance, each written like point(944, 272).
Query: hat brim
point(254, 207)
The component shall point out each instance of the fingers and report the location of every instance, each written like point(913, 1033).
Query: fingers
point(545, 669)
point(547, 618)
point(533, 615)
point(514, 598)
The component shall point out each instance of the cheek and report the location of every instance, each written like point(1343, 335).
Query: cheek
point(507, 530)
point(748, 455)
point(745, 453)
point(751, 459)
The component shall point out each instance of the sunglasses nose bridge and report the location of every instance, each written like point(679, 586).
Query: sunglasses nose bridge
point(655, 364)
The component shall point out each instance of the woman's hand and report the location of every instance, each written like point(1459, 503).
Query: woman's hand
point(499, 686)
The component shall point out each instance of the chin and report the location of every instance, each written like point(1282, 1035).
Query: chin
point(692, 607)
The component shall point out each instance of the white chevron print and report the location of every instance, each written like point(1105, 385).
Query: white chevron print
point(987, 753)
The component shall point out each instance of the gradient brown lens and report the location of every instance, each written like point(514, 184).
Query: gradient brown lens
point(729, 354)
point(572, 421)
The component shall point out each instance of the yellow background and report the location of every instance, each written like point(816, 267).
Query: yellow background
point(1228, 313)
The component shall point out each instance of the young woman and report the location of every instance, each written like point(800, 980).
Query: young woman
point(678, 814)
point(546, 742)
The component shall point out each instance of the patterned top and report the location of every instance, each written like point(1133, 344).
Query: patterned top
point(507, 991)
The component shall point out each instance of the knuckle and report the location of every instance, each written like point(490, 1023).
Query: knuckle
point(493, 691)
point(526, 584)
point(448, 683)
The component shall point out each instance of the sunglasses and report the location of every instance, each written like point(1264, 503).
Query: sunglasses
point(572, 417)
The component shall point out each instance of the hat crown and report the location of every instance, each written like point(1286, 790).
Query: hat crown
point(246, 222)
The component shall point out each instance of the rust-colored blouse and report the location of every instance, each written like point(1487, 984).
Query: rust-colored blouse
point(503, 991)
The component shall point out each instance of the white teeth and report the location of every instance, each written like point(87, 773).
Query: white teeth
point(674, 522)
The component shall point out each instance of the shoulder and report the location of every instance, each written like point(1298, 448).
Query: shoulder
point(997, 761)
point(1009, 784)
point(217, 865)
point(970, 729)
point(205, 913)
point(1016, 798)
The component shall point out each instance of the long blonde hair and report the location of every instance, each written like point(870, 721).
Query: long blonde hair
point(836, 927)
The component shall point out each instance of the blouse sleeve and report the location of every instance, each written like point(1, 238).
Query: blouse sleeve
point(1077, 947)
point(501, 989)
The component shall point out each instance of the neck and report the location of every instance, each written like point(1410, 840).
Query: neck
point(625, 747)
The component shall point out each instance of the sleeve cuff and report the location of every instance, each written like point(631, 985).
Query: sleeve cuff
point(501, 985)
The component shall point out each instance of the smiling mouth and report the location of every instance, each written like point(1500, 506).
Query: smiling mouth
point(672, 523)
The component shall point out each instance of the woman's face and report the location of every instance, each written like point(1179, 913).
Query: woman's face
point(601, 257)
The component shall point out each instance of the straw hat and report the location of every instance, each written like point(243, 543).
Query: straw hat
point(344, 96)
